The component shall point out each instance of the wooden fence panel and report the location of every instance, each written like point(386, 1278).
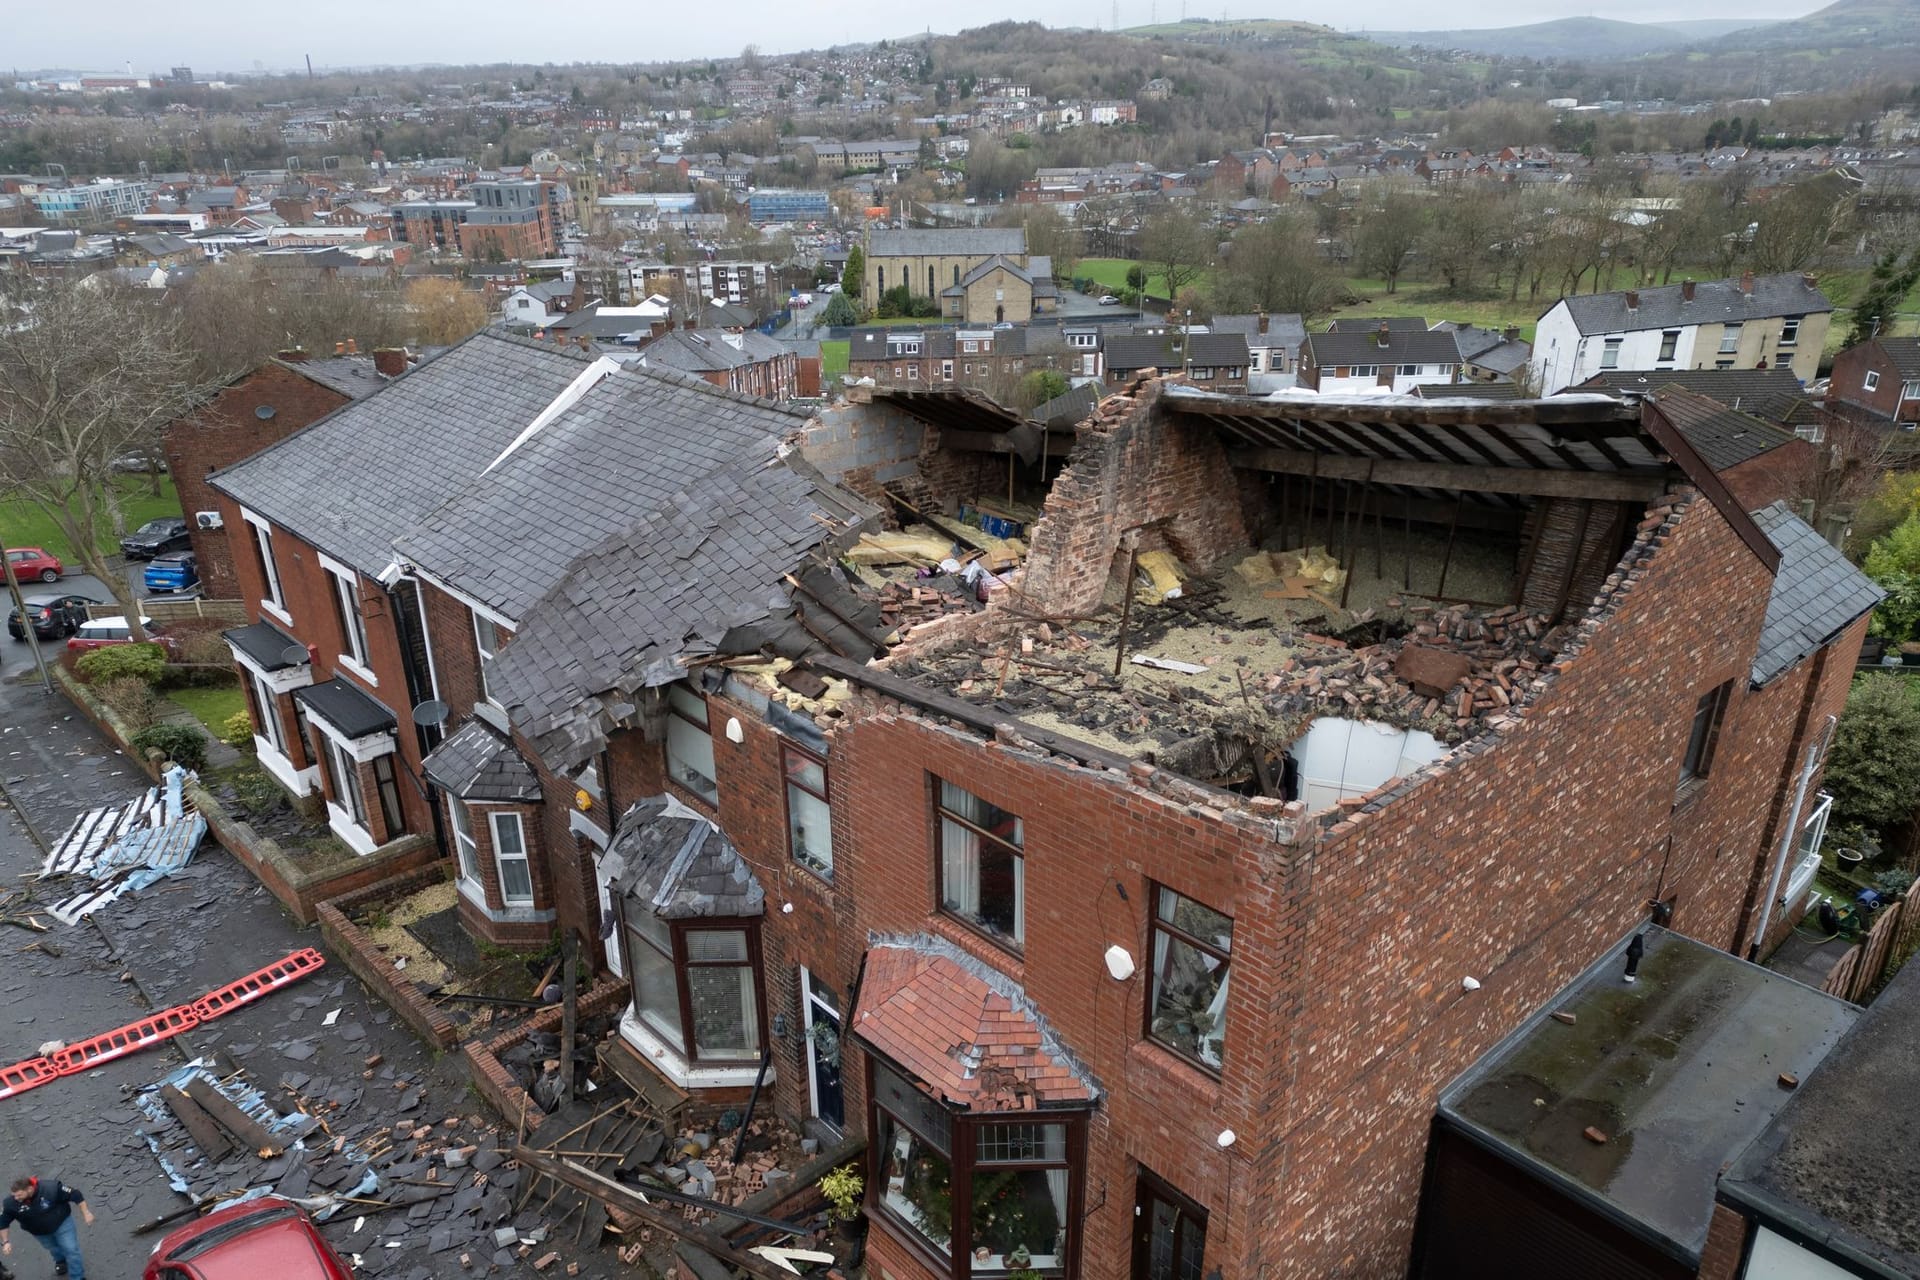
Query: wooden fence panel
point(1859, 971)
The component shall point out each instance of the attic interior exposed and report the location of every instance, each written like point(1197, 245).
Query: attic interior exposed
point(1293, 599)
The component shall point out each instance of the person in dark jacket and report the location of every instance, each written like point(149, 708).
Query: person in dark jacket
point(44, 1206)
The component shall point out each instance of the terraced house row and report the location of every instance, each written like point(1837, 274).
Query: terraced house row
point(1134, 863)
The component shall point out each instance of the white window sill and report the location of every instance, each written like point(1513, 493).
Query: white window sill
point(298, 781)
point(357, 837)
point(346, 663)
point(667, 1060)
point(275, 611)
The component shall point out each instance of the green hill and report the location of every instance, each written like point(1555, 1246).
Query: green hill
point(1847, 24)
point(1590, 39)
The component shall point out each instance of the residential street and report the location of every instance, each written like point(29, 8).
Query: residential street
point(208, 925)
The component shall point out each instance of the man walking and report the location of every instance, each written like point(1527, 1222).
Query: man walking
point(44, 1206)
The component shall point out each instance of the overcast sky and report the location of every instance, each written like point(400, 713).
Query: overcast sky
point(363, 32)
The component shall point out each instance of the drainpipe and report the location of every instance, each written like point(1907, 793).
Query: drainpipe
point(1816, 751)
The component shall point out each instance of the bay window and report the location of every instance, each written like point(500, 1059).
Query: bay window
point(690, 743)
point(1187, 1003)
point(980, 1195)
point(982, 864)
point(510, 859)
point(696, 985)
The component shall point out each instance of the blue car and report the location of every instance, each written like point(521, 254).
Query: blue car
point(173, 572)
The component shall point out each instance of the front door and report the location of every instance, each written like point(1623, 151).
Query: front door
point(1169, 1233)
point(822, 1015)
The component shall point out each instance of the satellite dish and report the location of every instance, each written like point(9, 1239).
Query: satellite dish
point(431, 712)
point(295, 655)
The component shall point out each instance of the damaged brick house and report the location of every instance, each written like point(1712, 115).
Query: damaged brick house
point(1134, 933)
point(390, 560)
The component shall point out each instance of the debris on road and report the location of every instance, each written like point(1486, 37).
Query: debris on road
point(126, 849)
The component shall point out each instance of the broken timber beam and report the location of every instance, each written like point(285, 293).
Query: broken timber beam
point(633, 1201)
point(228, 1115)
point(206, 1135)
point(1616, 486)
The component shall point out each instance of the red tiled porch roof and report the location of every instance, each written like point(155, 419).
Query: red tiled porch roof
point(974, 1046)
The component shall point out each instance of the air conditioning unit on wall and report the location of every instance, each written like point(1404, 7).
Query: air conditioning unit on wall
point(207, 519)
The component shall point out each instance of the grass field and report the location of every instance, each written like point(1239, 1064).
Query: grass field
point(22, 524)
point(1111, 274)
point(833, 359)
point(212, 705)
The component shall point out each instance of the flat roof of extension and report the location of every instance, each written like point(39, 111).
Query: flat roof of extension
point(1678, 1072)
point(1834, 1165)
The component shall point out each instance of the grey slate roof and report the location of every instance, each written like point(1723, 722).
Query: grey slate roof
point(1160, 350)
point(1904, 354)
point(1404, 346)
point(1469, 391)
point(343, 705)
point(1068, 408)
point(708, 568)
point(358, 478)
point(1714, 302)
point(478, 763)
point(950, 242)
point(1284, 330)
point(351, 376)
point(1816, 594)
point(631, 443)
point(1371, 324)
point(679, 866)
point(704, 350)
point(1772, 394)
point(1722, 437)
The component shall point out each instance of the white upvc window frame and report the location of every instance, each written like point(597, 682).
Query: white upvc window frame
point(274, 602)
point(466, 850)
point(345, 585)
point(357, 835)
point(496, 822)
point(273, 756)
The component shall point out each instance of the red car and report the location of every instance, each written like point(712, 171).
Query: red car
point(98, 633)
point(261, 1239)
point(31, 562)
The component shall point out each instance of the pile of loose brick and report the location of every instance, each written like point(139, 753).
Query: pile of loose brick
point(906, 603)
point(1502, 651)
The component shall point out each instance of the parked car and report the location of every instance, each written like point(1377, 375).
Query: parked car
point(829, 288)
point(139, 464)
point(174, 571)
point(155, 537)
point(31, 563)
point(98, 633)
point(1108, 300)
point(264, 1239)
point(53, 616)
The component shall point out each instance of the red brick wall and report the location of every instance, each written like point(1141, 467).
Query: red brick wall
point(1131, 466)
point(1785, 472)
point(221, 434)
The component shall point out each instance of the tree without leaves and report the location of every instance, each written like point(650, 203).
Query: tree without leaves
point(1180, 244)
point(1463, 228)
point(1276, 266)
point(1796, 225)
point(86, 377)
point(443, 312)
point(1389, 233)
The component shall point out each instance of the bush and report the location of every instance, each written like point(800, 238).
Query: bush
point(1894, 882)
point(204, 648)
point(257, 791)
point(181, 743)
point(1136, 276)
point(130, 698)
point(144, 662)
point(237, 730)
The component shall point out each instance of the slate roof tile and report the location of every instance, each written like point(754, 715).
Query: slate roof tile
point(1817, 593)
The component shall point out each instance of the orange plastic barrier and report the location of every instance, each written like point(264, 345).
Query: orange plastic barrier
point(22, 1076)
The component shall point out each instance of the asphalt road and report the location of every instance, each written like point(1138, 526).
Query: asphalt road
point(203, 927)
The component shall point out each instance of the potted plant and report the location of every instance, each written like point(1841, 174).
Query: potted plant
point(843, 1188)
point(1853, 844)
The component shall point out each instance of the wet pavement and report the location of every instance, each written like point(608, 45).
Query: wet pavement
point(205, 926)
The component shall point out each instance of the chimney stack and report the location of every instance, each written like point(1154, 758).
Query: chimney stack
point(353, 348)
point(339, 348)
point(1810, 280)
point(389, 362)
point(1383, 337)
point(1511, 333)
point(1686, 291)
point(1633, 300)
point(1263, 322)
point(659, 327)
point(292, 355)
point(1746, 283)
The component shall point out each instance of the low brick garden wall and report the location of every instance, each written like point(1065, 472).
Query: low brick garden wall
point(498, 1085)
point(371, 965)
